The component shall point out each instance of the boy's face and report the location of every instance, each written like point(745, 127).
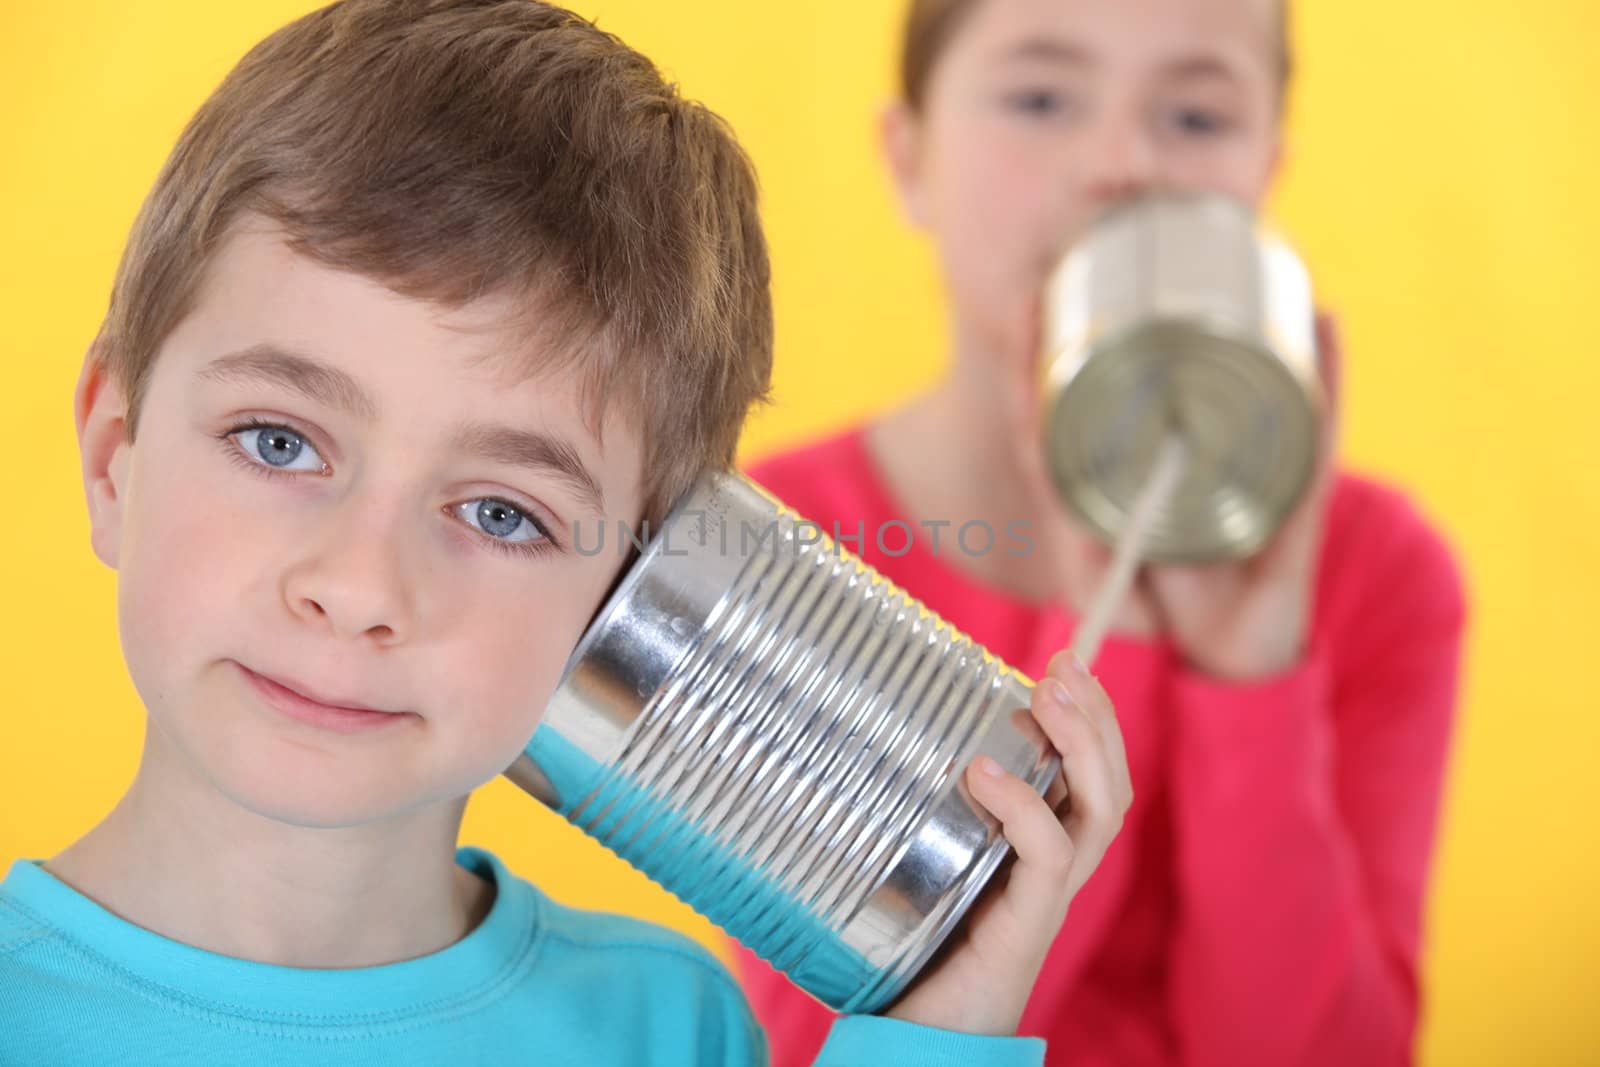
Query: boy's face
point(1039, 114)
point(341, 490)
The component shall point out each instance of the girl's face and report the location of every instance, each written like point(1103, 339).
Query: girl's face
point(1039, 114)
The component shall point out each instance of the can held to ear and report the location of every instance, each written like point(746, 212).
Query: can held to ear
point(776, 734)
point(1178, 316)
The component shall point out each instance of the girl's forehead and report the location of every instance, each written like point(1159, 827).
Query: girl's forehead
point(1081, 29)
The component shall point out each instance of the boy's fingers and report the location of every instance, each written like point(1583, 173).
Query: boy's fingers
point(1084, 687)
point(1096, 775)
point(1035, 889)
point(1086, 692)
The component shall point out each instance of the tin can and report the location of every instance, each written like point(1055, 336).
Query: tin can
point(1178, 315)
point(776, 734)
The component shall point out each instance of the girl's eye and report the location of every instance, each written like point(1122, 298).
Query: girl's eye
point(1198, 122)
point(505, 523)
point(278, 447)
point(1039, 103)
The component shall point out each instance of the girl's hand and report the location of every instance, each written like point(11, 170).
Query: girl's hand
point(1239, 620)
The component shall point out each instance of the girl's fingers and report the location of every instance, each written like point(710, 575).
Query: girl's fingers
point(1292, 549)
point(1330, 361)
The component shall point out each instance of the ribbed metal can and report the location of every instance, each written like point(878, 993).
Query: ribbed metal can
point(1180, 315)
point(776, 734)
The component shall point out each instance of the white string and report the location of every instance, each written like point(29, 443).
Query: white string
point(1153, 496)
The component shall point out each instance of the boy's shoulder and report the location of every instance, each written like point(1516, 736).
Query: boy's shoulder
point(584, 932)
point(19, 927)
point(42, 970)
point(623, 978)
point(601, 930)
point(577, 940)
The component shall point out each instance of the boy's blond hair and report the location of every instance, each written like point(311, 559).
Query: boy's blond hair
point(452, 149)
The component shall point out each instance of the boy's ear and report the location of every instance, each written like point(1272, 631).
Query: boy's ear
point(100, 413)
point(900, 135)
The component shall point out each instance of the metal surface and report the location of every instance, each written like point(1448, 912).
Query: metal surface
point(1176, 314)
point(775, 733)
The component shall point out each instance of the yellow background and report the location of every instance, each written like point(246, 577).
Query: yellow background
point(1442, 185)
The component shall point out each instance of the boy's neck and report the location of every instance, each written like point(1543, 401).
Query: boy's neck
point(181, 860)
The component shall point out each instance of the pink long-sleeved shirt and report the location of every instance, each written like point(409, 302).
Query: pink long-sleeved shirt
point(1263, 902)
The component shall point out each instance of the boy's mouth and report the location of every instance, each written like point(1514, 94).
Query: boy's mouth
point(301, 702)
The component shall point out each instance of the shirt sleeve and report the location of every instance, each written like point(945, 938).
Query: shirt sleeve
point(874, 1041)
point(802, 1031)
point(1305, 810)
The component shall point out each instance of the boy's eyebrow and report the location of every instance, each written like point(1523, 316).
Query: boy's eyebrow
point(334, 388)
point(315, 381)
point(520, 448)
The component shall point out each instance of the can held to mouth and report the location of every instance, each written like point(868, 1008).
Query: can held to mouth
point(776, 734)
point(1178, 316)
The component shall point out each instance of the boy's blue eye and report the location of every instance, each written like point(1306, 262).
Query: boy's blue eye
point(280, 448)
point(272, 448)
point(501, 520)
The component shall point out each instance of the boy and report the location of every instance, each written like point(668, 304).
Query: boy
point(423, 285)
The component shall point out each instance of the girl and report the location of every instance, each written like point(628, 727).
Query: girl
point(1287, 717)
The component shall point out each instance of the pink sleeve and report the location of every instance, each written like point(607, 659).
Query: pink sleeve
point(1305, 811)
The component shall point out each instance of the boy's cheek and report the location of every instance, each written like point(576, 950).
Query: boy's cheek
point(515, 668)
point(194, 564)
point(500, 654)
point(199, 584)
point(173, 593)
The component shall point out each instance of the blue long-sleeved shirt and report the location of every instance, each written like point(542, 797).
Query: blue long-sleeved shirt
point(534, 982)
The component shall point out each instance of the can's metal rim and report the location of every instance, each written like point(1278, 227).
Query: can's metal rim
point(1308, 391)
point(640, 567)
point(894, 977)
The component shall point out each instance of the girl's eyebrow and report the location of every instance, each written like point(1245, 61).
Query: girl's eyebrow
point(1061, 52)
point(1198, 66)
point(1049, 50)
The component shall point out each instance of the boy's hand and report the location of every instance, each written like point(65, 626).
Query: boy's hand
point(1236, 620)
point(982, 983)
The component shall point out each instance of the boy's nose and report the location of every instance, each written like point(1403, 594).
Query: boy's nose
point(351, 578)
